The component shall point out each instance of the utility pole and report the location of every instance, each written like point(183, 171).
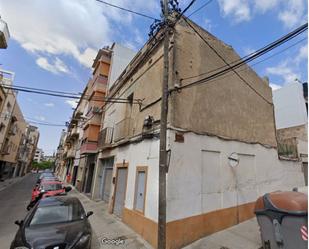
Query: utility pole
point(163, 129)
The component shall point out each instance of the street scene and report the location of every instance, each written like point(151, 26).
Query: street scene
point(160, 124)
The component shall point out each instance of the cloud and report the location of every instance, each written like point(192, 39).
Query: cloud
point(56, 67)
point(285, 71)
point(72, 103)
point(238, 9)
point(40, 118)
point(288, 70)
point(208, 24)
point(265, 5)
point(76, 28)
point(302, 54)
point(49, 104)
point(274, 86)
point(293, 13)
point(290, 12)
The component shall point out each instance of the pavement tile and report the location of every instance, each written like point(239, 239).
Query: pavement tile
point(106, 225)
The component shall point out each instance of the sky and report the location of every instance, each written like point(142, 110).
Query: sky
point(53, 44)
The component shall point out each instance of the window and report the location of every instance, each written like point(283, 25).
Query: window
point(66, 212)
point(140, 189)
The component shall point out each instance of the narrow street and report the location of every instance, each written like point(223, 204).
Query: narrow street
point(13, 202)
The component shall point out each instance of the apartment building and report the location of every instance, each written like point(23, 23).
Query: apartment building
point(210, 127)
point(39, 155)
point(30, 146)
point(81, 144)
point(13, 139)
point(16, 150)
point(59, 162)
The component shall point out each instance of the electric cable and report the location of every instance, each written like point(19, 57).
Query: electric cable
point(252, 57)
point(198, 9)
point(128, 10)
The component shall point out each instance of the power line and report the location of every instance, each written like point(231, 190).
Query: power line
point(69, 94)
point(197, 10)
point(105, 100)
point(259, 52)
point(261, 61)
point(231, 68)
point(248, 59)
point(128, 10)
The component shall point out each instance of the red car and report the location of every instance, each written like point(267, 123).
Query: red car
point(51, 188)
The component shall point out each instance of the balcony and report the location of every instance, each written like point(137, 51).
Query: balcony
point(99, 83)
point(105, 137)
point(288, 148)
point(89, 147)
point(122, 129)
point(75, 132)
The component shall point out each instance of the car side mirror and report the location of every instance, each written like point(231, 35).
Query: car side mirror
point(89, 214)
point(19, 222)
point(67, 189)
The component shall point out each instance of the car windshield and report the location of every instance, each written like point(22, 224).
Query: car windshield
point(46, 175)
point(51, 187)
point(58, 214)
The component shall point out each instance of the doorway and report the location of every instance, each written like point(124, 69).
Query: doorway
point(120, 190)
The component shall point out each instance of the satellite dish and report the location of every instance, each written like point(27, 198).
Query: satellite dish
point(233, 160)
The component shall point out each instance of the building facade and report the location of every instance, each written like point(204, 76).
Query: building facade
point(208, 126)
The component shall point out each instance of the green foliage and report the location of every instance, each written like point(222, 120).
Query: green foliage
point(42, 165)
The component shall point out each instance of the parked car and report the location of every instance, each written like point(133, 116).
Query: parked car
point(55, 222)
point(50, 188)
point(46, 176)
point(47, 190)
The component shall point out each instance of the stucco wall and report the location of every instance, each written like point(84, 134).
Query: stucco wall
point(145, 153)
point(145, 84)
point(300, 132)
point(226, 106)
point(200, 179)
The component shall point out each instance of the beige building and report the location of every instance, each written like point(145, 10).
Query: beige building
point(13, 139)
point(231, 118)
point(14, 132)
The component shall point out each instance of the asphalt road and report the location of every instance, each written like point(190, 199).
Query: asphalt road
point(13, 202)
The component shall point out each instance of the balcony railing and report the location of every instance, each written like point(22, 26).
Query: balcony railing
point(288, 148)
point(105, 137)
point(89, 147)
point(122, 129)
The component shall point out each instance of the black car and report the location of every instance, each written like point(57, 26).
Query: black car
point(55, 222)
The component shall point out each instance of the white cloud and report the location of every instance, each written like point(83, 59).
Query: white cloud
point(285, 71)
point(293, 13)
point(238, 9)
point(76, 28)
point(274, 86)
point(208, 24)
point(40, 118)
point(302, 54)
point(290, 12)
point(72, 103)
point(56, 67)
point(265, 5)
point(50, 104)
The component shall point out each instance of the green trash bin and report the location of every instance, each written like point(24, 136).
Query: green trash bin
point(283, 217)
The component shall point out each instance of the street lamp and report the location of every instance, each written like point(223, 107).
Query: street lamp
point(4, 34)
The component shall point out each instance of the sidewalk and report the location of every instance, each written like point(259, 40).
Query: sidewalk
point(10, 181)
point(108, 226)
point(242, 236)
point(245, 235)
